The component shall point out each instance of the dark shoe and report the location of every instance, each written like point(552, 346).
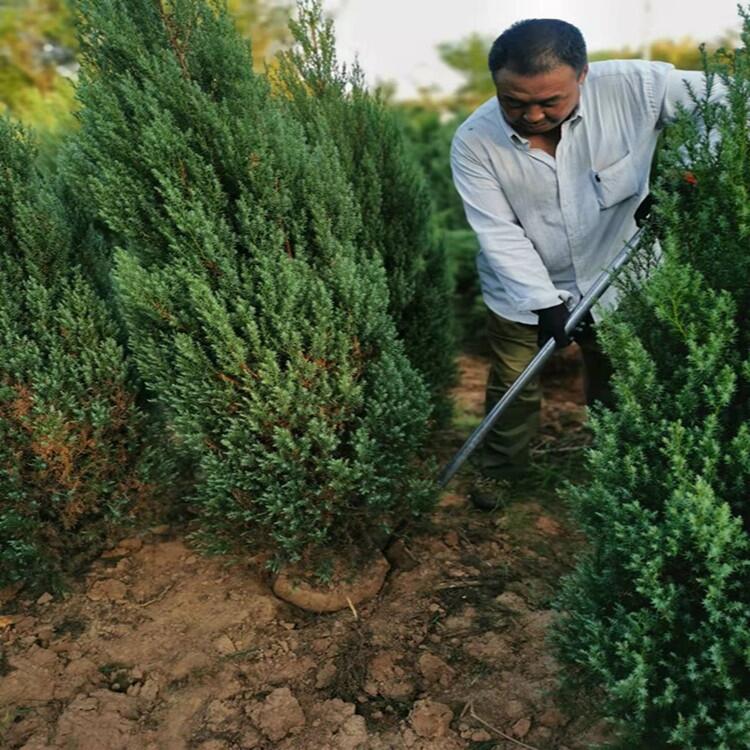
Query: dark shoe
point(489, 494)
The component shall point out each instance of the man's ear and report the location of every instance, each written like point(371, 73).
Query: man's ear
point(582, 74)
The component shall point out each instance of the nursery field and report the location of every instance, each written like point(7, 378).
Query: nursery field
point(159, 648)
point(230, 306)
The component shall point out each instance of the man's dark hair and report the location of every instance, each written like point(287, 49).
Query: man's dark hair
point(538, 45)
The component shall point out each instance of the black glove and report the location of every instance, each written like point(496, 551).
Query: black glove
point(644, 209)
point(552, 325)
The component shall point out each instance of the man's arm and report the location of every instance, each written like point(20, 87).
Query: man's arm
point(677, 85)
point(510, 253)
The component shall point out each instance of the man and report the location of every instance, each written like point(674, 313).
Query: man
point(551, 172)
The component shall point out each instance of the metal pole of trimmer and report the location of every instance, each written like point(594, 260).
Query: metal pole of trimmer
point(535, 366)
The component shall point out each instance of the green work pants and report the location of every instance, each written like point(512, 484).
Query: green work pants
point(513, 345)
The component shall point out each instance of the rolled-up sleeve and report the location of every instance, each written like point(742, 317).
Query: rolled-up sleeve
point(503, 242)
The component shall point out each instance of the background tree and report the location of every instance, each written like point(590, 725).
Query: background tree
point(38, 51)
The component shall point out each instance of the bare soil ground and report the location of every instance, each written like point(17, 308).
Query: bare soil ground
point(158, 648)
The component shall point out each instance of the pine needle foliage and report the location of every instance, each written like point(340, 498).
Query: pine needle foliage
point(258, 323)
point(332, 102)
point(71, 465)
point(658, 611)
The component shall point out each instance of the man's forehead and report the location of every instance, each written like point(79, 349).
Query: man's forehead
point(539, 86)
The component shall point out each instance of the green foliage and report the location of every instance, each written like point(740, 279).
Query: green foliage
point(258, 322)
point(69, 430)
point(333, 104)
point(430, 133)
point(658, 610)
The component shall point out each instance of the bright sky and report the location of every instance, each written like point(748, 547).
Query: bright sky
point(396, 39)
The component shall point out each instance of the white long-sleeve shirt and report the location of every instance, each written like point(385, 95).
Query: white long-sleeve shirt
point(548, 225)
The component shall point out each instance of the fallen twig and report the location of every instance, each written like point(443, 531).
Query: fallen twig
point(473, 714)
point(159, 597)
point(352, 608)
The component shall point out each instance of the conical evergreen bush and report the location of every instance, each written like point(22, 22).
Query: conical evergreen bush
point(333, 103)
point(658, 611)
point(257, 321)
point(72, 465)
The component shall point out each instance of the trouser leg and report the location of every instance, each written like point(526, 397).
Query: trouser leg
point(506, 448)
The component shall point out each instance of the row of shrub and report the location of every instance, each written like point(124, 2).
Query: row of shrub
point(231, 279)
point(657, 614)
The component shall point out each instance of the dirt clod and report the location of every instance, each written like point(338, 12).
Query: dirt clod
point(521, 728)
point(278, 715)
point(430, 719)
point(435, 670)
point(108, 589)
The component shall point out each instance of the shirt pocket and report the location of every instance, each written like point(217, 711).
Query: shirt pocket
point(616, 183)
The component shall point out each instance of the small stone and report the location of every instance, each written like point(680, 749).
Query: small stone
point(149, 690)
point(326, 675)
point(514, 710)
point(452, 539)
point(480, 735)
point(133, 544)
point(521, 728)
point(44, 635)
point(511, 602)
point(553, 718)
point(224, 645)
point(430, 719)
point(547, 526)
point(45, 598)
point(288, 625)
point(320, 645)
point(435, 670)
point(108, 589)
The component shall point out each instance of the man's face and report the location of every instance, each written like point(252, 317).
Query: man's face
point(539, 103)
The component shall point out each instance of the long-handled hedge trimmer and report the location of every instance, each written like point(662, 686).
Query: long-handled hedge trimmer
point(534, 367)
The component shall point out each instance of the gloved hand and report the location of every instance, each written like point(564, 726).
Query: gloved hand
point(552, 325)
point(644, 209)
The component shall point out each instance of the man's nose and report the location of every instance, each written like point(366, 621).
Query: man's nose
point(533, 114)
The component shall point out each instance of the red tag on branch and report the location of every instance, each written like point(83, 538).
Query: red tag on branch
point(690, 178)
